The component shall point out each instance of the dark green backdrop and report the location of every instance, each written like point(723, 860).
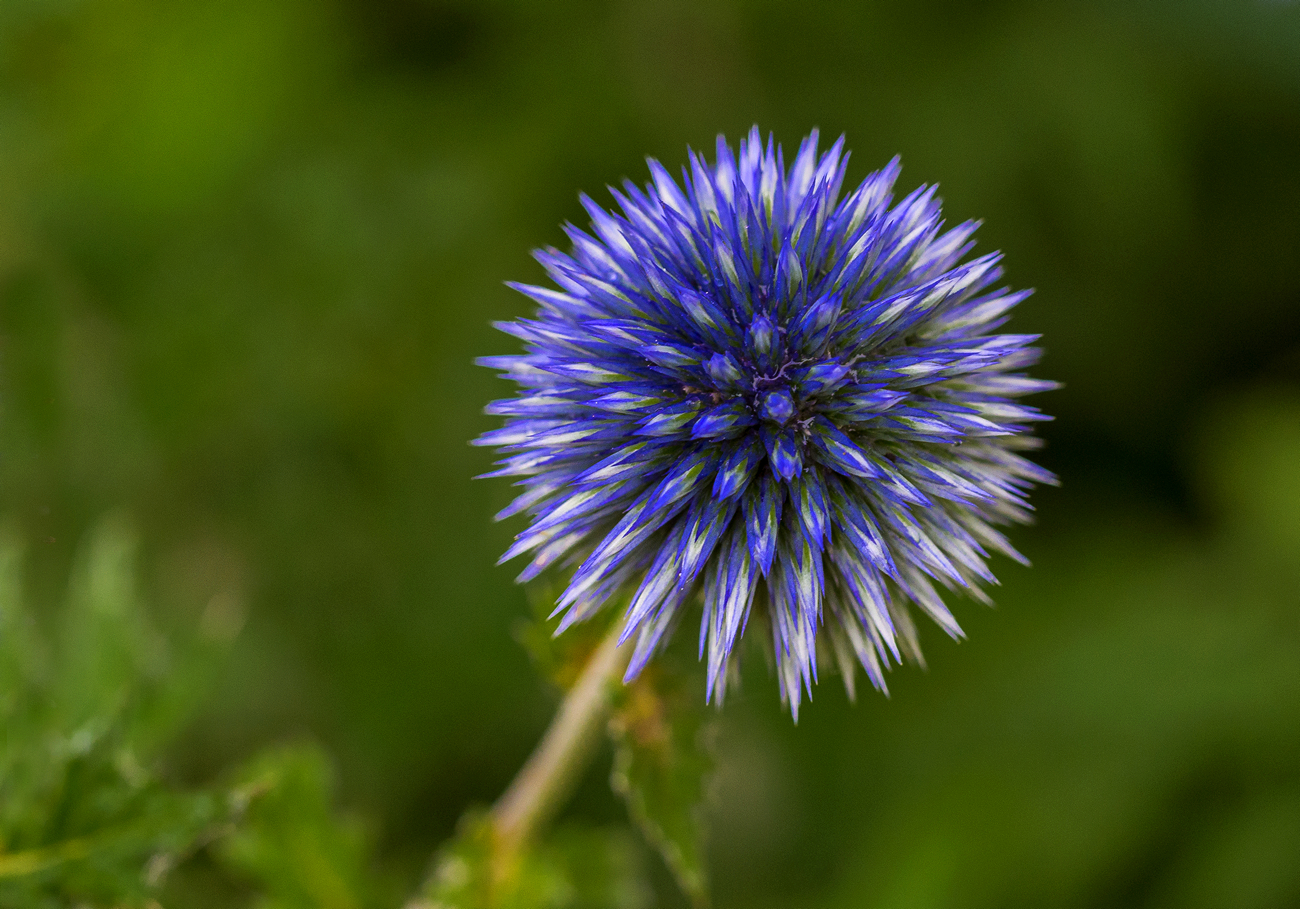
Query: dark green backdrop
point(249, 248)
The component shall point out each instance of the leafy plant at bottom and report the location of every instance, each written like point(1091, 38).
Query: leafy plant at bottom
point(84, 815)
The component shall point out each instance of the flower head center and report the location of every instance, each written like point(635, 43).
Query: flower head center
point(776, 405)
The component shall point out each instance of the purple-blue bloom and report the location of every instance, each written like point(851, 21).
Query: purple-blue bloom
point(748, 392)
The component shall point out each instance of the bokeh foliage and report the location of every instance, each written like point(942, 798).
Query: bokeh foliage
point(90, 814)
point(81, 814)
point(248, 249)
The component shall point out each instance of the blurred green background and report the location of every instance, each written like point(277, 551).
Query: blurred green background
point(248, 250)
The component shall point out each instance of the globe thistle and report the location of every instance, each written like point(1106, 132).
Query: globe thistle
point(747, 392)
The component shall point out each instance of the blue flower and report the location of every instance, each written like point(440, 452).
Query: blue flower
point(750, 393)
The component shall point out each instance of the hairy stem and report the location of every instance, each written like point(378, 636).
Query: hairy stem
point(553, 768)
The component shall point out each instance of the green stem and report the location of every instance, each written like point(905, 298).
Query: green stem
point(548, 777)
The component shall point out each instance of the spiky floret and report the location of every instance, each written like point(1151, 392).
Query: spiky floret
point(748, 390)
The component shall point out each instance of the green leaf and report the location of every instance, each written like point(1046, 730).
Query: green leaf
point(572, 868)
point(290, 842)
point(124, 860)
point(84, 816)
point(662, 761)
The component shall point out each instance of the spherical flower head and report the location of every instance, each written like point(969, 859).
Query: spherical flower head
point(750, 393)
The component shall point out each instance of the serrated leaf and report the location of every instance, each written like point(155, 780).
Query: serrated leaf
point(662, 761)
point(571, 868)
